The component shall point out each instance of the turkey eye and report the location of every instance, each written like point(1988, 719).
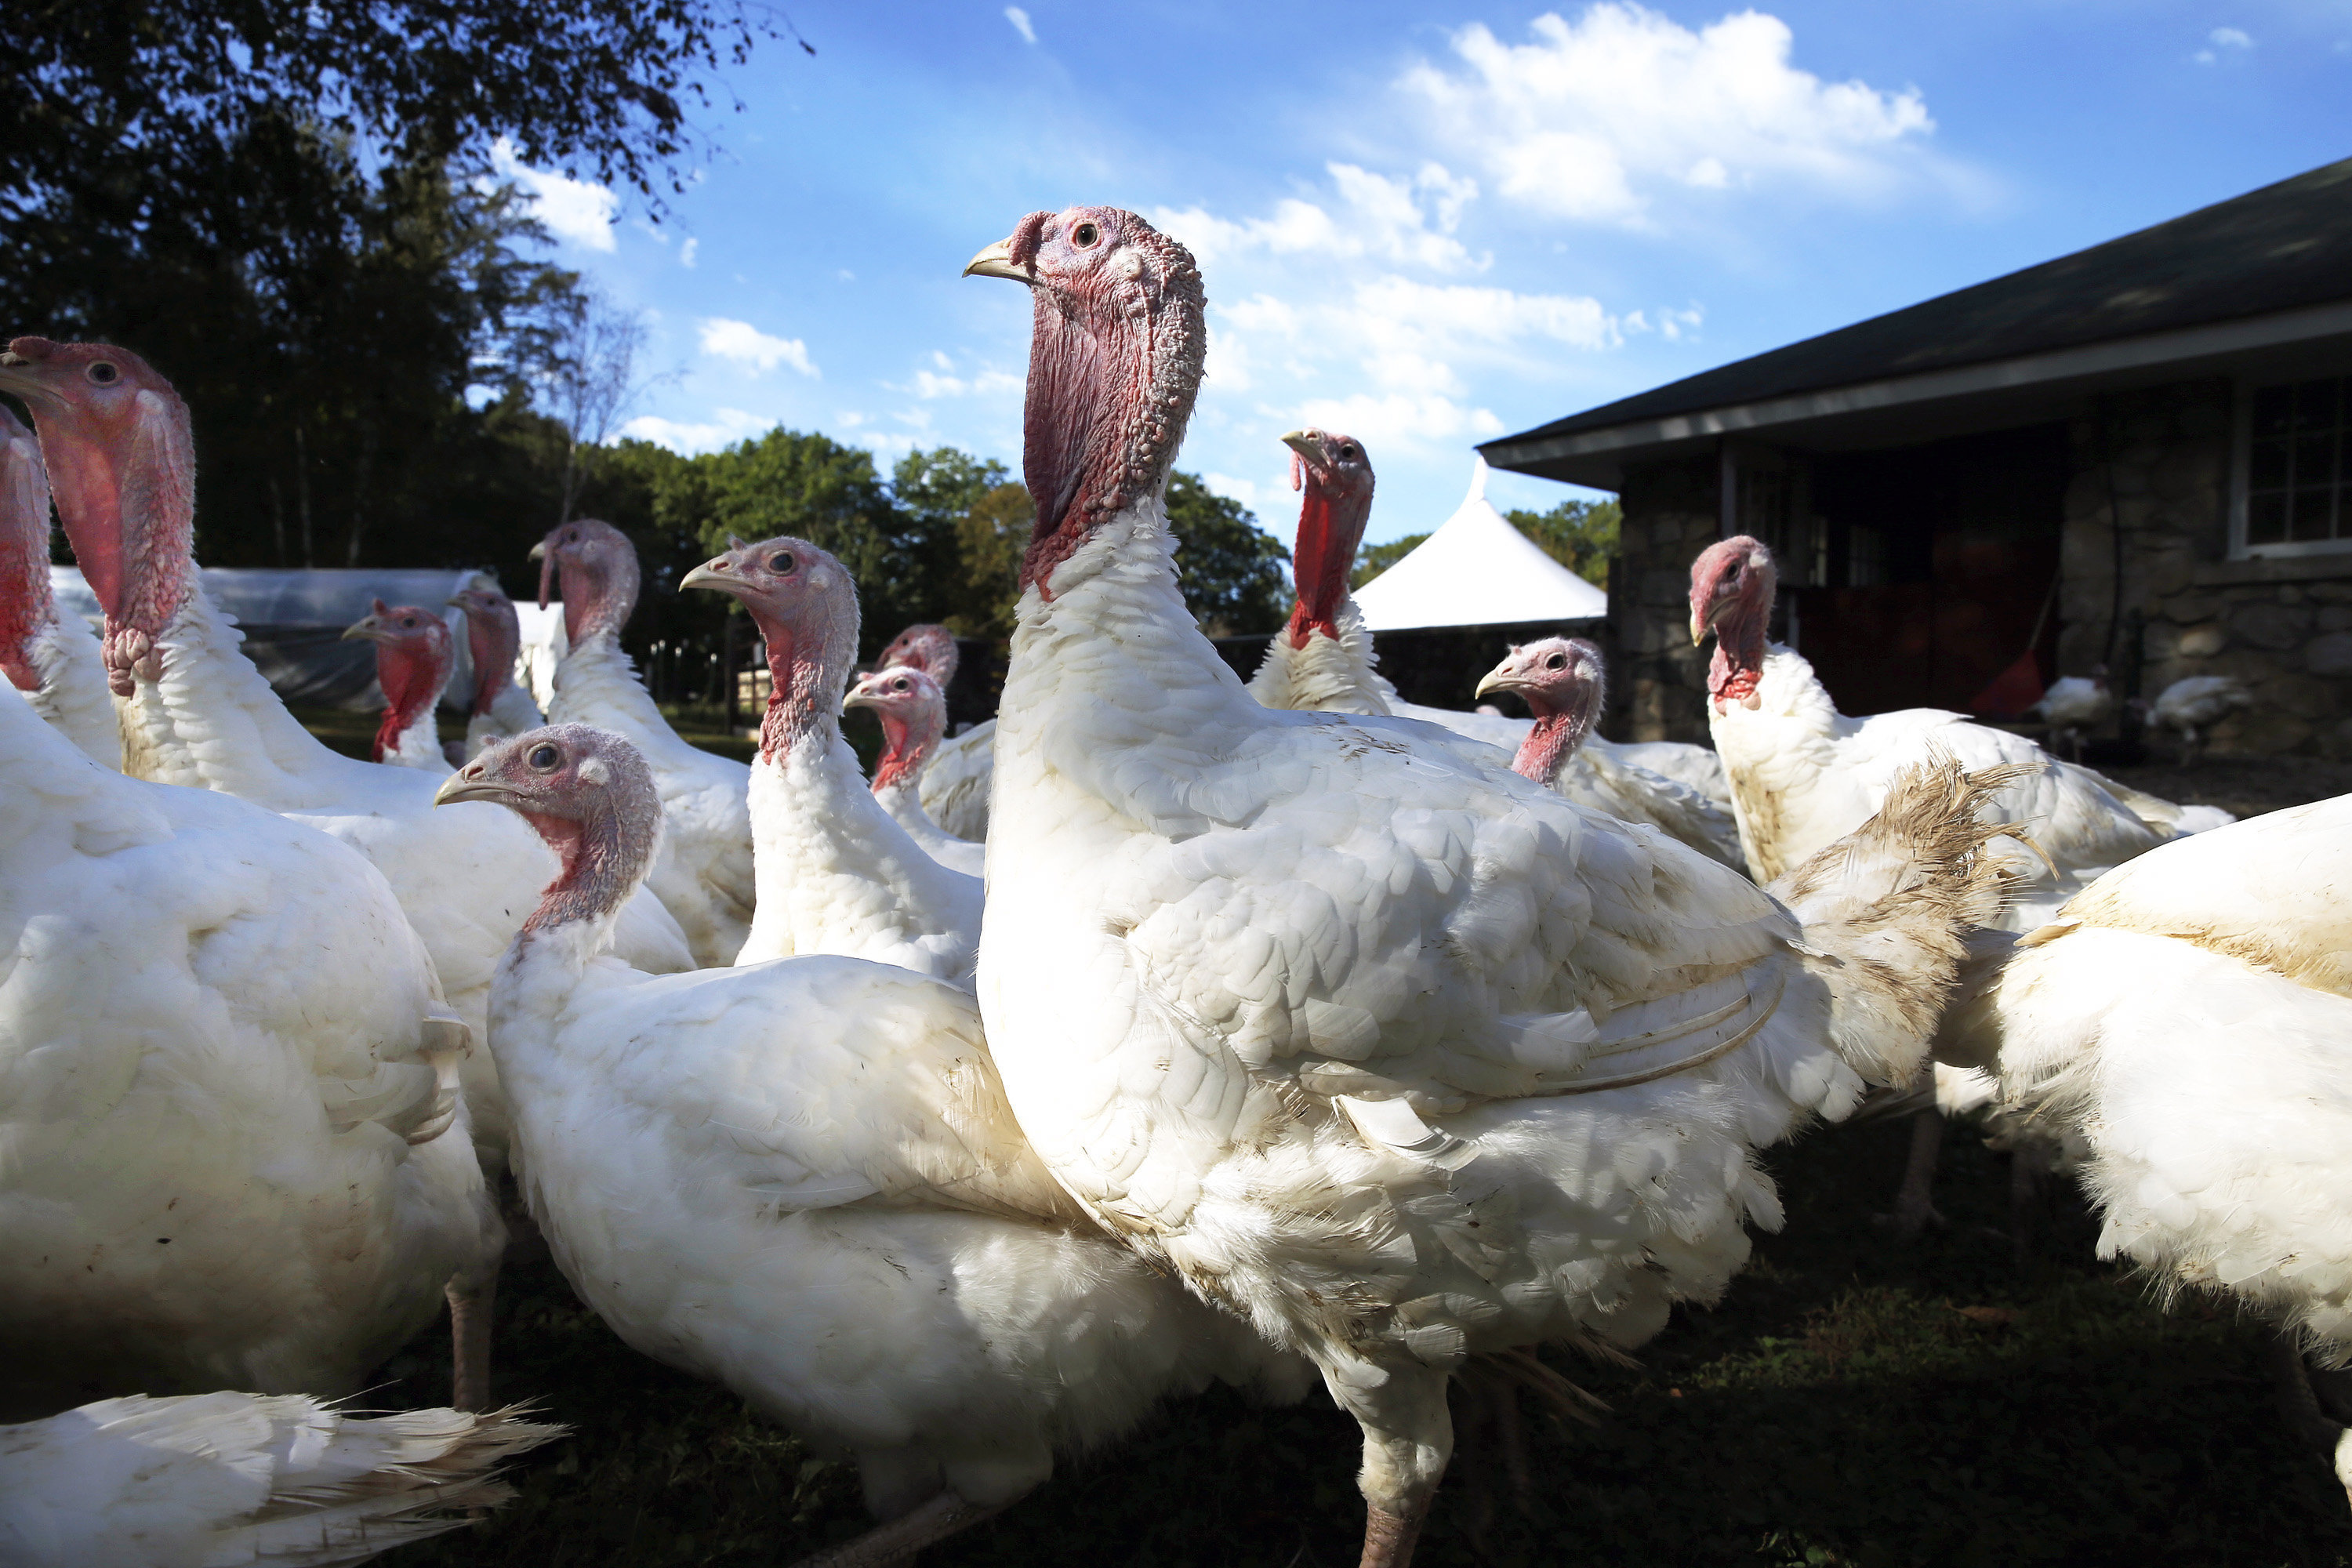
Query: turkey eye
point(543, 756)
point(1557, 661)
point(1349, 450)
point(103, 372)
point(902, 686)
point(781, 564)
point(1085, 235)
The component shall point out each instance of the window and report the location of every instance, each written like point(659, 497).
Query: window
point(2296, 469)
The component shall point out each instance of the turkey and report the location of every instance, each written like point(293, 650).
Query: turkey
point(501, 705)
point(1563, 681)
point(227, 1067)
point(1323, 660)
point(2076, 705)
point(914, 715)
point(704, 874)
point(195, 711)
point(202, 1479)
point(413, 659)
point(837, 874)
point(2198, 702)
point(1803, 773)
point(2187, 1017)
point(955, 781)
point(800, 1179)
point(1399, 1054)
point(51, 658)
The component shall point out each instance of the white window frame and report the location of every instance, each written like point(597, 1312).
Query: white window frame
point(2242, 443)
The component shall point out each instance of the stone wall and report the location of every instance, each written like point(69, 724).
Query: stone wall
point(1657, 686)
point(2159, 462)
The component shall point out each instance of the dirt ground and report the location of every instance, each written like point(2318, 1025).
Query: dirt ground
point(2246, 786)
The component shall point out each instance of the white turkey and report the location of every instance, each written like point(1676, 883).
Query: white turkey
point(704, 874)
point(227, 1067)
point(2187, 1018)
point(955, 783)
point(1803, 773)
point(913, 712)
point(204, 1480)
point(1403, 1056)
point(2196, 703)
point(195, 711)
point(800, 1179)
point(51, 658)
point(501, 705)
point(413, 660)
point(1323, 660)
point(2074, 706)
point(837, 874)
point(1563, 681)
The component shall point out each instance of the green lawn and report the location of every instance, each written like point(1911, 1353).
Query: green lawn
point(1852, 1402)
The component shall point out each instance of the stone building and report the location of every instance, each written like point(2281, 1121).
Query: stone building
point(2138, 456)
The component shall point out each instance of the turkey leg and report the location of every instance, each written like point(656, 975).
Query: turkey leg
point(1914, 1201)
point(471, 1302)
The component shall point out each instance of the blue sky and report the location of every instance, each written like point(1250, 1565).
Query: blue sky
point(1425, 225)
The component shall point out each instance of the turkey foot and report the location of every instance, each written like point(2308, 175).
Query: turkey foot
point(1915, 1201)
point(470, 1306)
point(893, 1545)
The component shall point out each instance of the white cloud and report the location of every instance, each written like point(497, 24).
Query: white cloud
point(1591, 119)
point(2230, 38)
point(686, 253)
point(1373, 215)
point(1020, 20)
point(1249, 492)
point(746, 344)
point(575, 210)
point(943, 382)
point(1401, 421)
point(730, 426)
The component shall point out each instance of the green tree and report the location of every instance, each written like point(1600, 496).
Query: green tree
point(1231, 570)
point(1582, 535)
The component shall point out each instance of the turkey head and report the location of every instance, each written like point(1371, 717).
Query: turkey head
point(411, 664)
point(932, 648)
point(914, 715)
point(589, 794)
point(1335, 474)
point(1732, 584)
point(1563, 681)
point(1113, 362)
point(806, 609)
point(493, 637)
point(598, 568)
point(115, 438)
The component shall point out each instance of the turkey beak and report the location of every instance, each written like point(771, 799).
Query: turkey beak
point(539, 550)
point(17, 376)
point(368, 629)
point(469, 782)
point(1499, 679)
point(454, 602)
point(1308, 444)
point(996, 261)
point(712, 575)
point(857, 696)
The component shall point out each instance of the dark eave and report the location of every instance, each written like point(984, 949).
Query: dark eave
point(2262, 277)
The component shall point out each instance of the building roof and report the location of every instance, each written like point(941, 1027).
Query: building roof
point(2283, 251)
point(1476, 570)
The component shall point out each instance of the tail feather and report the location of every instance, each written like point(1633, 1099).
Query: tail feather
point(228, 1478)
point(1887, 912)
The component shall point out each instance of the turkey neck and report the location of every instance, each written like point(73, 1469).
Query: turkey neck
point(492, 641)
point(1552, 742)
point(599, 595)
point(27, 603)
point(907, 742)
point(413, 678)
point(1329, 528)
point(1738, 667)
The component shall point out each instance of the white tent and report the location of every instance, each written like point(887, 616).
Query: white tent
point(1476, 570)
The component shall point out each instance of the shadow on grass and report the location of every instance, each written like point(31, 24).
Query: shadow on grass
point(1852, 1402)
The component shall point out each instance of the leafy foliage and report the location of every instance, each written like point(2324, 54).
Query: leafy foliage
point(1230, 569)
point(1582, 535)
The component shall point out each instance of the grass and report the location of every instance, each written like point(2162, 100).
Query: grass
point(1852, 1402)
